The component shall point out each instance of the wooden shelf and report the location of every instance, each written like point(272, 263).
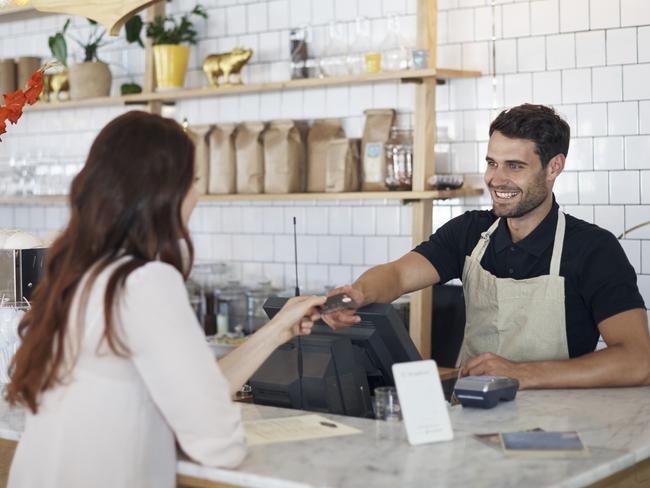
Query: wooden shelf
point(360, 195)
point(16, 10)
point(20, 13)
point(414, 76)
point(33, 200)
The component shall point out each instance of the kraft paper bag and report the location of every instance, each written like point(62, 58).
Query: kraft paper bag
point(250, 158)
point(199, 135)
point(318, 139)
point(342, 173)
point(223, 160)
point(376, 133)
point(284, 158)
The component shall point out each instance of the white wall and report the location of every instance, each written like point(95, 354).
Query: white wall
point(588, 58)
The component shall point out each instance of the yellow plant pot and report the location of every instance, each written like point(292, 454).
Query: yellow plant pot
point(171, 65)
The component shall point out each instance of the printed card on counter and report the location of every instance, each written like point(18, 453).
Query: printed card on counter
point(423, 404)
point(296, 428)
point(546, 444)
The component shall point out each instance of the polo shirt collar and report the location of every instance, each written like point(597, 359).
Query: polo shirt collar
point(534, 243)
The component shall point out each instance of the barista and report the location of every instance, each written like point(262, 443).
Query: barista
point(540, 286)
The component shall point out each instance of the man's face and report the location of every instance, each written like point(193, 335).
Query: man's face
point(515, 177)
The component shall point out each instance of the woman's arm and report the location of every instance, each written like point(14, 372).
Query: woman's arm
point(295, 318)
point(170, 353)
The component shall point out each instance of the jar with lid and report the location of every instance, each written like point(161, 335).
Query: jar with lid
point(203, 286)
point(231, 309)
point(399, 159)
point(255, 302)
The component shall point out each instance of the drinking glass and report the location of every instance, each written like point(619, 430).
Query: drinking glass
point(387, 404)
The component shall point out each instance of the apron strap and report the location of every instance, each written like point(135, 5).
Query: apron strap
point(484, 241)
point(557, 244)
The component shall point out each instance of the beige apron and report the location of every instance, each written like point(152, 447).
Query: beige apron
point(521, 320)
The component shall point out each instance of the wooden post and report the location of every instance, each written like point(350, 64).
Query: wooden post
point(424, 166)
point(149, 82)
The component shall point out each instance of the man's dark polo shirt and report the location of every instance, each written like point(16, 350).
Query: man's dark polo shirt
point(599, 281)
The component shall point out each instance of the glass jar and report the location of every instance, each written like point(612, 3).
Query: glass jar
point(203, 286)
point(255, 302)
point(232, 314)
point(399, 159)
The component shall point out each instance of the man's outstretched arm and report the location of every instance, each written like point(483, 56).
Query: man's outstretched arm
point(385, 283)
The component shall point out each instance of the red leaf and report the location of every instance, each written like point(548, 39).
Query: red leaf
point(3, 125)
point(34, 87)
point(15, 102)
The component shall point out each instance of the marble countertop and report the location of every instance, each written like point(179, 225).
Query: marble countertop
point(613, 423)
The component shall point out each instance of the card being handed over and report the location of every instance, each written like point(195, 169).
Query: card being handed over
point(338, 302)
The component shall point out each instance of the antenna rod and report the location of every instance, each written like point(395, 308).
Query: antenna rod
point(295, 255)
point(299, 341)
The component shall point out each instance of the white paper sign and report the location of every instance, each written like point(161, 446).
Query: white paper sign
point(423, 404)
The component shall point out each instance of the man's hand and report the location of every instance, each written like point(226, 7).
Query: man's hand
point(347, 317)
point(493, 365)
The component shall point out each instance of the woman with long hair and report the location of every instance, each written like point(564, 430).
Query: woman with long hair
point(113, 366)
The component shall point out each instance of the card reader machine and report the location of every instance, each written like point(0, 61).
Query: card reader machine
point(485, 391)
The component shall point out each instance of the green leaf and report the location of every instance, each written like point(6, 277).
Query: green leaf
point(130, 88)
point(168, 30)
point(133, 30)
point(59, 48)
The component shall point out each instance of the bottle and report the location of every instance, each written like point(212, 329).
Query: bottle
point(359, 45)
point(334, 60)
point(299, 53)
point(394, 50)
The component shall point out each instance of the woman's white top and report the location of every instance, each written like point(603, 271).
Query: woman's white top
point(114, 421)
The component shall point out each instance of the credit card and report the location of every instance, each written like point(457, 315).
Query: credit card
point(337, 302)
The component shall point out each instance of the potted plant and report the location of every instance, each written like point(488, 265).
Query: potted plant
point(170, 57)
point(91, 78)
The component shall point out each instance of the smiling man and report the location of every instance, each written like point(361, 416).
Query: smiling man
point(540, 286)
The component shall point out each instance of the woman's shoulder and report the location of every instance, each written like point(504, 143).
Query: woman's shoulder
point(155, 274)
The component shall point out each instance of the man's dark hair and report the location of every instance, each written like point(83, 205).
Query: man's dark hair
point(537, 123)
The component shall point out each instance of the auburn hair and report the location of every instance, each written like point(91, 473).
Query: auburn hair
point(126, 201)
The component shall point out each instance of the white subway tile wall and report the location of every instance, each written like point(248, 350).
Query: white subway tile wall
point(588, 58)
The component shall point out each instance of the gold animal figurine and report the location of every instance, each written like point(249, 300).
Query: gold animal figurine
point(225, 64)
point(53, 85)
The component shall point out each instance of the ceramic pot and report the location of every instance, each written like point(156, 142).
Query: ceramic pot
point(89, 80)
point(26, 67)
point(171, 65)
point(7, 76)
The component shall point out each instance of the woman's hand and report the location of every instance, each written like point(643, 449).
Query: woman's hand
point(297, 317)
